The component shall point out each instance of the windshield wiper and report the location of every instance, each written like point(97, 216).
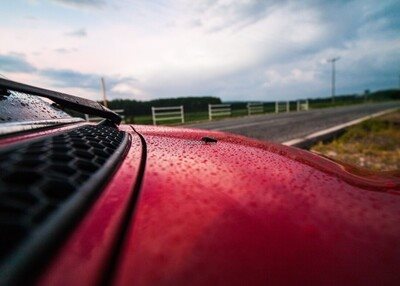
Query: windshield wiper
point(65, 100)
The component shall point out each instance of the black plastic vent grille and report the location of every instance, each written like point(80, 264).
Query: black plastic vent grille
point(41, 178)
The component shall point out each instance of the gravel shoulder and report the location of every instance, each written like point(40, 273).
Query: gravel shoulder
point(373, 144)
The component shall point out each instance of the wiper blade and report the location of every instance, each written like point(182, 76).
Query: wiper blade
point(65, 100)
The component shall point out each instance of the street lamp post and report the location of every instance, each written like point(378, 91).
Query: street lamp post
point(333, 60)
point(103, 87)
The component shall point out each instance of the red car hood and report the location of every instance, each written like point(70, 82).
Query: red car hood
point(240, 211)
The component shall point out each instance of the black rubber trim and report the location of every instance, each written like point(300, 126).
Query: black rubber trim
point(26, 263)
point(126, 224)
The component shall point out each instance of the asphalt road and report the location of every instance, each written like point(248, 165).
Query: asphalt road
point(287, 126)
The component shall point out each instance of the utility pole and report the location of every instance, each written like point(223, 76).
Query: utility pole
point(333, 60)
point(103, 86)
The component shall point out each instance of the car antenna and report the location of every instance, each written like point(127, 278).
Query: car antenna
point(65, 100)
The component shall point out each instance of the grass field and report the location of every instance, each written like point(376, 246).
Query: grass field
point(373, 144)
point(336, 103)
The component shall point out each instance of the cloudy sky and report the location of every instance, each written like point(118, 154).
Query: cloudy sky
point(237, 50)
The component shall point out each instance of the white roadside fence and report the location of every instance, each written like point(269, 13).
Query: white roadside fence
point(96, 119)
point(167, 114)
point(174, 113)
point(255, 107)
point(302, 105)
point(282, 106)
point(215, 110)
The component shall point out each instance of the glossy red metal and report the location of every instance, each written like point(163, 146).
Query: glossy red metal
point(234, 212)
point(242, 212)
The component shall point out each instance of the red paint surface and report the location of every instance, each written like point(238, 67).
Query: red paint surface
point(84, 257)
point(245, 213)
point(237, 212)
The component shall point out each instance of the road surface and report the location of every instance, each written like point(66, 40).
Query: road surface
point(283, 127)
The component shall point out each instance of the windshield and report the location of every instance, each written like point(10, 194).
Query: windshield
point(20, 111)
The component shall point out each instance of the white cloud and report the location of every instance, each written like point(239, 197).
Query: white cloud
point(81, 3)
point(232, 49)
point(130, 90)
point(273, 77)
point(80, 33)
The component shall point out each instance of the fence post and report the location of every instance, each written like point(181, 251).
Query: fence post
point(287, 106)
point(86, 117)
point(183, 115)
point(307, 104)
point(153, 115)
point(248, 109)
point(209, 112)
point(276, 107)
point(298, 105)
